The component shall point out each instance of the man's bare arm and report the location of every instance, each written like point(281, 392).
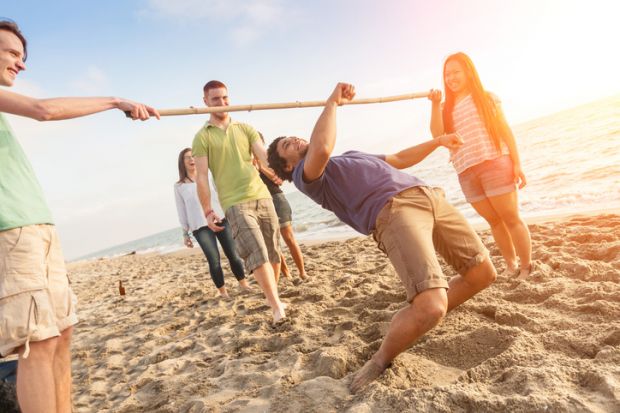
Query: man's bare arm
point(323, 138)
point(69, 107)
point(204, 192)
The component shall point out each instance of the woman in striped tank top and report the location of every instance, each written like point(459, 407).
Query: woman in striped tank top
point(487, 164)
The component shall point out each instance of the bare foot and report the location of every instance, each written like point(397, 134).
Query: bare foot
point(303, 276)
point(368, 373)
point(525, 272)
point(510, 271)
point(279, 314)
point(245, 287)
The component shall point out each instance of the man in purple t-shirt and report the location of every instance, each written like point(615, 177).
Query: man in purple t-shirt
point(409, 220)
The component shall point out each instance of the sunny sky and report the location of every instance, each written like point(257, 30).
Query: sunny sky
point(109, 180)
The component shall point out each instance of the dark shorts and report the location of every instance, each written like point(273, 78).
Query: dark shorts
point(283, 209)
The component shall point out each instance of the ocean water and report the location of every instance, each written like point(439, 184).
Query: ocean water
point(571, 160)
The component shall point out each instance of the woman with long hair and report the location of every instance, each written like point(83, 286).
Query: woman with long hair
point(192, 219)
point(488, 163)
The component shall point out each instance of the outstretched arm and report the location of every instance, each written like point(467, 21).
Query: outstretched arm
point(323, 136)
point(415, 154)
point(69, 107)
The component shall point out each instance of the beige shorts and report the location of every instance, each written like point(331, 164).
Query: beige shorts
point(256, 232)
point(36, 301)
point(413, 226)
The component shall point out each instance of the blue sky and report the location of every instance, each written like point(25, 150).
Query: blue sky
point(109, 180)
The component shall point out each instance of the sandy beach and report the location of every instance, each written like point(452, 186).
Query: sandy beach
point(547, 344)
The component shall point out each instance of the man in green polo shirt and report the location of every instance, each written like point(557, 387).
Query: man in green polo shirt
point(226, 147)
point(37, 306)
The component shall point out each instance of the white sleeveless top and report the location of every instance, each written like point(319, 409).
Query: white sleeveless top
point(477, 144)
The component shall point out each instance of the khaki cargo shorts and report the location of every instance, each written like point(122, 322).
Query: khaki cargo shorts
point(256, 232)
point(416, 224)
point(36, 301)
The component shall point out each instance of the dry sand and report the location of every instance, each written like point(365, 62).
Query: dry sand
point(548, 344)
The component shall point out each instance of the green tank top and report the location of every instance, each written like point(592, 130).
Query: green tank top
point(21, 197)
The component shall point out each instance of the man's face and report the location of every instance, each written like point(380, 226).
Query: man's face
point(11, 58)
point(217, 97)
point(293, 150)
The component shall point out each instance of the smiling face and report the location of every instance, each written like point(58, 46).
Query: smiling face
point(11, 57)
point(217, 97)
point(455, 77)
point(293, 150)
point(188, 161)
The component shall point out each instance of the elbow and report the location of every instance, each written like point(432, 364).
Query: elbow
point(42, 112)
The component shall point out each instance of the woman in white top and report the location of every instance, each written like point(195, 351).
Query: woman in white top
point(192, 219)
point(488, 163)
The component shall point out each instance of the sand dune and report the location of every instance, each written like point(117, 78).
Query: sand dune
point(548, 344)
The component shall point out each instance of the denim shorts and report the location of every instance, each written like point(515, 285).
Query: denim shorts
point(488, 179)
point(283, 209)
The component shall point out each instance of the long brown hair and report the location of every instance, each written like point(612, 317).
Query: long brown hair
point(484, 102)
point(182, 169)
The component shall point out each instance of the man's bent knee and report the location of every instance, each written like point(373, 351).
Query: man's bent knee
point(431, 305)
point(483, 274)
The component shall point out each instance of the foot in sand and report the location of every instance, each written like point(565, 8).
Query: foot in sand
point(245, 287)
point(303, 276)
point(525, 272)
point(365, 375)
point(510, 271)
point(223, 293)
point(279, 314)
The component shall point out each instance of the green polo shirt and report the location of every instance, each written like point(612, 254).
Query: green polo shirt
point(229, 153)
point(21, 197)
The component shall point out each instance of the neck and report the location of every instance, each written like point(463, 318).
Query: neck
point(461, 95)
point(191, 175)
point(220, 122)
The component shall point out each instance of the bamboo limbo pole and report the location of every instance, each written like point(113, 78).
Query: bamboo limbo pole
point(290, 105)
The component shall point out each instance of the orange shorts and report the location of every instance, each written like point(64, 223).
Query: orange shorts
point(416, 224)
point(36, 301)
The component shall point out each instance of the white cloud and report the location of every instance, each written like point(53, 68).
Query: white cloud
point(92, 82)
point(252, 17)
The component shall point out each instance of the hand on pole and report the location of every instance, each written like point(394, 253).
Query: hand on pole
point(435, 96)
point(343, 93)
point(136, 110)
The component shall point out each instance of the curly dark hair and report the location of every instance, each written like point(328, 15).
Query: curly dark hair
point(276, 162)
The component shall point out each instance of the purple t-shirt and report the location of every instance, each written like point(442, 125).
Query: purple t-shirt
point(355, 186)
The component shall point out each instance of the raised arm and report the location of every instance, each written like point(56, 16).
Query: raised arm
point(415, 154)
point(436, 118)
point(204, 192)
point(69, 107)
point(323, 136)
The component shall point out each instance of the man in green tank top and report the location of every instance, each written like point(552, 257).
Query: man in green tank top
point(37, 306)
